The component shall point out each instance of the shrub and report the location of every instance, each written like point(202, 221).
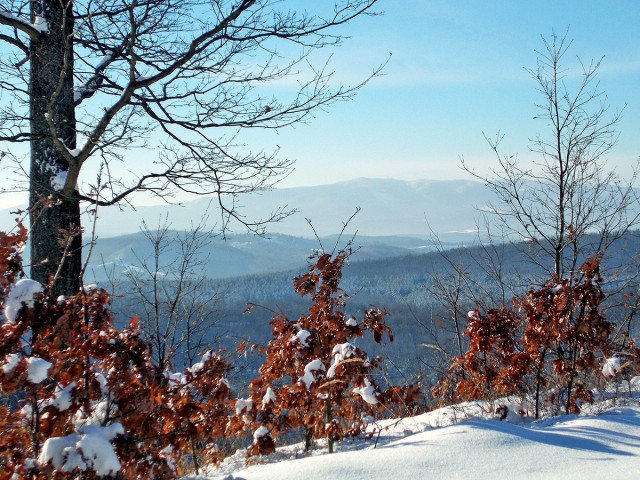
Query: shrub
point(314, 377)
point(85, 398)
point(546, 344)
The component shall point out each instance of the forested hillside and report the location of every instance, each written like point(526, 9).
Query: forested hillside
point(407, 287)
point(239, 255)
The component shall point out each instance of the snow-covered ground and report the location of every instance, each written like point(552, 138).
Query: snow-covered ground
point(465, 442)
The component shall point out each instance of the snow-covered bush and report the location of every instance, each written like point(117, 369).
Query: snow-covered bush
point(83, 399)
point(313, 376)
point(546, 347)
point(622, 369)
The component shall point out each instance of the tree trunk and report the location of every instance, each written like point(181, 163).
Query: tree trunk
point(328, 417)
point(539, 381)
point(56, 241)
point(308, 438)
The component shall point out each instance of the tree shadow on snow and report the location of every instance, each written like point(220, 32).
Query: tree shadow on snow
point(574, 438)
point(626, 416)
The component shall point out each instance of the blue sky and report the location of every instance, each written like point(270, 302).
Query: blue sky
point(456, 71)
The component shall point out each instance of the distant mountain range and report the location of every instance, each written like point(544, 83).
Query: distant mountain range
point(388, 207)
point(241, 255)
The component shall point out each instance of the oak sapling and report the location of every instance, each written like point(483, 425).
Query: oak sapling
point(314, 377)
point(87, 399)
point(546, 347)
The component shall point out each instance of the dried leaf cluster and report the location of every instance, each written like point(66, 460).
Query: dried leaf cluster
point(67, 374)
point(548, 346)
point(314, 376)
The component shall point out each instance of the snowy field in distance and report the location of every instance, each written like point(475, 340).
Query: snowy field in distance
point(464, 442)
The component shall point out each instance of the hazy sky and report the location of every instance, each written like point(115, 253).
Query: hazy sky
point(455, 71)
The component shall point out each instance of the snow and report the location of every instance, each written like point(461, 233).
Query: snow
point(302, 337)
point(22, 292)
point(12, 362)
point(100, 411)
point(313, 366)
point(41, 25)
point(473, 445)
point(176, 378)
point(90, 449)
point(103, 383)
point(368, 392)
point(38, 369)
point(269, 397)
point(611, 367)
point(142, 78)
point(94, 82)
point(58, 181)
point(344, 350)
point(340, 352)
point(243, 403)
point(63, 398)
point(196, 368)
point(75, 151)
point(78, 92)
point(259, 433)
point(351, 322)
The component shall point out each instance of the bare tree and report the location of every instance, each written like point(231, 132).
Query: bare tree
point(449, 289)
point(568, 193)
point(464, 278)
point(172, 296)
point(102, 76)
point(569, 208)
point(566, 204)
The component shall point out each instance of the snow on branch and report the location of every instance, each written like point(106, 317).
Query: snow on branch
point(34, 30)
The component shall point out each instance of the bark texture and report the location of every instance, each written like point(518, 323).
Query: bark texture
point(56, 241)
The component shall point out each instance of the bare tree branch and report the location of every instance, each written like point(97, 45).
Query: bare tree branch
point(34, 33)
point(567, 194)
point(180, 78)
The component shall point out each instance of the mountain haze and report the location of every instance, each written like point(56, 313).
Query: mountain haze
point(388, 207)
point(244, 254)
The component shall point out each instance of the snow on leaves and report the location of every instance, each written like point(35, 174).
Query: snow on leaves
point(38, 369)
point(87, 400)
point(313, 366)
point(314, 377)
point(21, 294)
point(88, 450)
point(611, 366)
point(269, 397)
point(302, 337)
point(552, 337)
point(368, 392)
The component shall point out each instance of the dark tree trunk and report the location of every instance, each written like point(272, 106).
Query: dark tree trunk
point(55, 220)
